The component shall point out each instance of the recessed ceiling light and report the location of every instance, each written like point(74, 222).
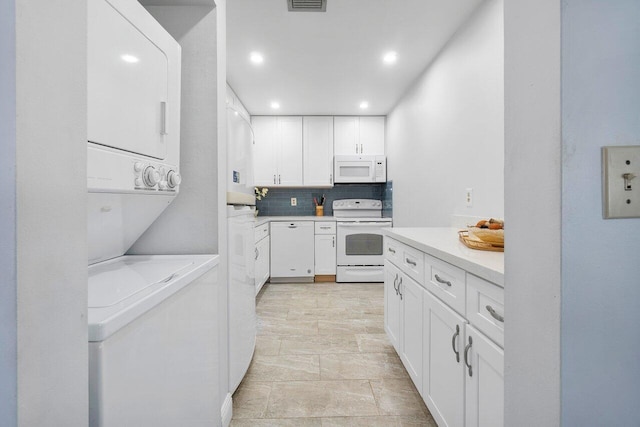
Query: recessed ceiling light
point(390, 57)
point(130, 58)
point(364, 105)
point(275, 105)
point(256, 57)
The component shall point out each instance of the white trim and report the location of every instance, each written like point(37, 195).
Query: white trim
point(226, 411)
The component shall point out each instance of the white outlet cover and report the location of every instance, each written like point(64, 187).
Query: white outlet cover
point(294, 201)
point(617, 202)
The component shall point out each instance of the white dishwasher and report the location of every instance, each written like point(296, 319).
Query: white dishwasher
point(292, 251)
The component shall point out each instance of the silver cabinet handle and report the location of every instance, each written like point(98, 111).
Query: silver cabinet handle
point(361, 150)
point(495, 315)
point(400, 284)
point(453, 343)
point(466, 352)
point(330, 178)
point(163, 118)
point(356, 148)
point(410, 262)
point(279, 179)
point(325, 227)
point(333, 242)
point(257, 254)
point(274, 179)
point(393, 251)
point(395, 283)
point(440, 280)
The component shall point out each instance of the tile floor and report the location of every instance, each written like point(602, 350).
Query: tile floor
point(322, 359)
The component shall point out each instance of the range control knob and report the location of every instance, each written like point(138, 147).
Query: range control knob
point(173, 179)
point(138, 166)
point(151, 177)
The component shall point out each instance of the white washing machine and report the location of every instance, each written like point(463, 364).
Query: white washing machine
point(153, 356)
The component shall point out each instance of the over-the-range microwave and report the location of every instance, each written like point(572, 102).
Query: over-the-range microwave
point(357, 169)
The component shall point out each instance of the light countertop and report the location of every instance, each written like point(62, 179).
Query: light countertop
point(443, 243)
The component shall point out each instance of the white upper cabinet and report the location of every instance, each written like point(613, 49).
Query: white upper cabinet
point(359, 135)
point(264, 150)
point(290, 151)
point(318, 151)
point(277, 151)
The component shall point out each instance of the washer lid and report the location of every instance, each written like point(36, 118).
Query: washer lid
point(112, 283)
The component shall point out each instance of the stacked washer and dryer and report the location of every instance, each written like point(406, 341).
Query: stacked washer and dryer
point(152, 338)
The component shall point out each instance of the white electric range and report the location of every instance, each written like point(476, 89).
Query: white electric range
point(359, 240)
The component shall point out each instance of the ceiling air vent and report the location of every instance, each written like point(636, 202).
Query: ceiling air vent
point(307, 5)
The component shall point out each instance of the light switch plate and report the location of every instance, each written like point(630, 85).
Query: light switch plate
point(620, 196)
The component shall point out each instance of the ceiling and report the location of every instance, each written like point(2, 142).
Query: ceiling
point(328, 63)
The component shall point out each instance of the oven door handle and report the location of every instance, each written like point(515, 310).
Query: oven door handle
point(363, 224)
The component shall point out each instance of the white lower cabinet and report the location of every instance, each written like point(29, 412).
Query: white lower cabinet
point(392, 304)
point(411, 309)
point(325, 254)
point(484, 383)
point(456, 364)
point(403, 299)
point(261, 263)
point(443, 365)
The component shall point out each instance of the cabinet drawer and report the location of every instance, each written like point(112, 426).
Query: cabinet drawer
point(392, 250)
point(261, 231)
point(447, 282)
point(412, 263)
point(485, 308)
point(325, 227)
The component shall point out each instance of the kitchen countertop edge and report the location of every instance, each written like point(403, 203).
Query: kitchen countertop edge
point(443, 243)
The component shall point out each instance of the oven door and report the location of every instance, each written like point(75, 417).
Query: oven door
point(360, 243)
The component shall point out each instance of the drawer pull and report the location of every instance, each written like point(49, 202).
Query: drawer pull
point(410, 262)
point(257, 254)
point(395, 283)
point(399, 291)
point(495, 315)
point(393, 251)
point(453, 343)
point(325, 228)
point(440, 280)
point(466, 352)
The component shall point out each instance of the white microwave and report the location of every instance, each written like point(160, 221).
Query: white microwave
point(355, 169)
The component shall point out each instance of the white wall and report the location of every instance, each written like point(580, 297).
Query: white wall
point(43, 215)
point(190, 224)
point(533, 203)
point(447, 133)
point(600, 268)
point(8, 284)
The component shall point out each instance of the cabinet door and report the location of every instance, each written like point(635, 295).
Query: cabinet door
point(372, 135)
point(264, 152)
point(289, 151)
point(484, 382)
point(346, 133)
point(325, 254)
point(443, 365)
point(411, 295)
point(392, 304)
point(317, 143)
point(262, 263)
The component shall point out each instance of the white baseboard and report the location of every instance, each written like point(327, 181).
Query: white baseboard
point(227, 410)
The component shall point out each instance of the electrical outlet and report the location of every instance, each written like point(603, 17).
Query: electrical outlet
point(469, 197)
point(294, 201)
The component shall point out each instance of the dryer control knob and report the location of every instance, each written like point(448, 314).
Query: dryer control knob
point(173, 179)
point(151, 177)
point(138, 166)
